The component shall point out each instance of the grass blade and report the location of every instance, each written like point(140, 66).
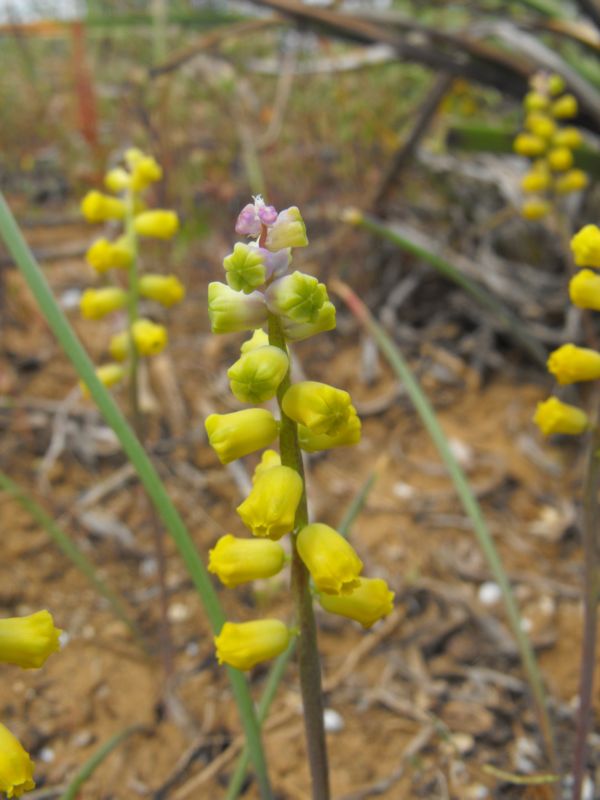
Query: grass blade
point(31, 271)
point(468, 500)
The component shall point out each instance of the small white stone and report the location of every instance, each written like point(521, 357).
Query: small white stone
point(70, 298)
point(64, 639)
point(148, 568)
point(526, 624)
point(489, 593)
point(47, 755)
point(587, 789)
point(403, 491)
point(334, 722)
point(178, 612)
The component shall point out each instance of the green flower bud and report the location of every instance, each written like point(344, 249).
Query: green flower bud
point(255, 376)
point(298, 296)
point(235, 435)
point(319, 407)
point(298, 331)
point(258, 339)
point(270, 508)
point(232, 311)
point(288, 230)
point(245, 268)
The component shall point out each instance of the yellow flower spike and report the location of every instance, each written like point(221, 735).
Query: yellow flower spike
point(28, 641)
point(255, 376)
point(150, 338)
point(97, 303)
point(319, 407)
point(570, 364)
point(164, 289)
point(585, 246)
point(329, 558)
point(565, 107)
point(242, 432)
point(554, 416)
point(315, 442)
point(117, 180)
point(16, 767)
point(535, 101)
point(536, 208)
point(560, 159)
point(270, 508)
point(159, 223)
point(108, 375)
point(537, 180)
point(567, 137)
point(526, 144)
point(584, 289)
point(144, 171)
point(269, 459)
point(369, 602)
point(98, 207)
point(237, 561)
point(540, 125)
point(258, 339)
point(104, 255)
point(572, 181)
point(298, 331)
point(244, 644)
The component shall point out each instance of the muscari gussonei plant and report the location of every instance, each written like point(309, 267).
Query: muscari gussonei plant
point(281, 307)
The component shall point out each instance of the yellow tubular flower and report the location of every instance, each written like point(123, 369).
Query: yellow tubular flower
point(567, 137)
point(585, 246)
point(243, 645)
point(565, 107)
point(117, 180)
point(164, 289)
point(556, 84)
point(16, 767)
point(536, 208)
point(104, 255)
point(144, 171)
point(242, 432)
point(108, 375)
point(149, 337)
point(329, 558)
point(584, 289)
point(540, 125)
point(526, 144)
point(97, 303)
point(572, 181)
point(369, 601)
point(159, 223)
point(119, 346)
point(28, 641)
point(270, 508)
point(255, 376)
point(98, 207)
point(535, 101)
point(314, 442)
point(238, 561)
point(258, 339)
point(554, 416)
point(269, 459)
point(536, 180)
point(570, 364)
point(560, 159)
point(319, 407)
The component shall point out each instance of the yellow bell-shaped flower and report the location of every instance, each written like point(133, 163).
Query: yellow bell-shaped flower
point(560, 159)
point(346, 437)
point(256, 375)
point(144, 171)
point(117, 180)
point(537, 180)
point(329, 558)
point(269, 459)
point(97, 303)
point(242, 432)
point(540, 125)
point(108, 375)
point(270, 508)
point(243, 645)
point(535, 208)
point(526, 144)
point(28, 641)
point(570, 364)
point(16, 767)
point(164, 289)
point(230, 311)
point(535, 101)
point(150, 338)
point(585, 246)
point(98, 207)
point(158, 223)
point(319, 407)
point(554, 416)
point(584, 289)
point(238, 561)
point(565, 107)
point(368, 602)
point(572, 181)
point(567, 137)
point(104, 255)
point(298, 331)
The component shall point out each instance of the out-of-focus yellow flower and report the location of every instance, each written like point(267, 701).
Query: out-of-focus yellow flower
point(368, 602)
point(242, 432)
point(535, 208)
point(346, 437)
point(238, 561)
point(567, 137)
point(585, 246)
point(243, 645)
point(97, 303)
point(572, 181)
point(319, 407)
point(16, 767)
point(536, 180)
point(329, 558)
point(108, 375)
point(269, 459)
point(535, 101)
point(144, 171)
point(258, 339)
point(526, 144)
point(554, 416)
point(28, 641)
point(117, 180)
point(540, 125)
point(560, 159)
point(556, 84)
point(98, 207)
point(584, 289)
point(159, 223)
point(164, 289)
point(150, 338)
point(255, 376)
point(104, 255)
point(565, 107)
point(270, 508)
point(570, 364)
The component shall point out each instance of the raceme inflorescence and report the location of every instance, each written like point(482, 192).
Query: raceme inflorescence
point(261, 292)
point(24, 642)
point(119, 256)
point(549, 145)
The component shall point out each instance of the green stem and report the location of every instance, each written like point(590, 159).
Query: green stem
point(35, 279)
point(308, 654)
